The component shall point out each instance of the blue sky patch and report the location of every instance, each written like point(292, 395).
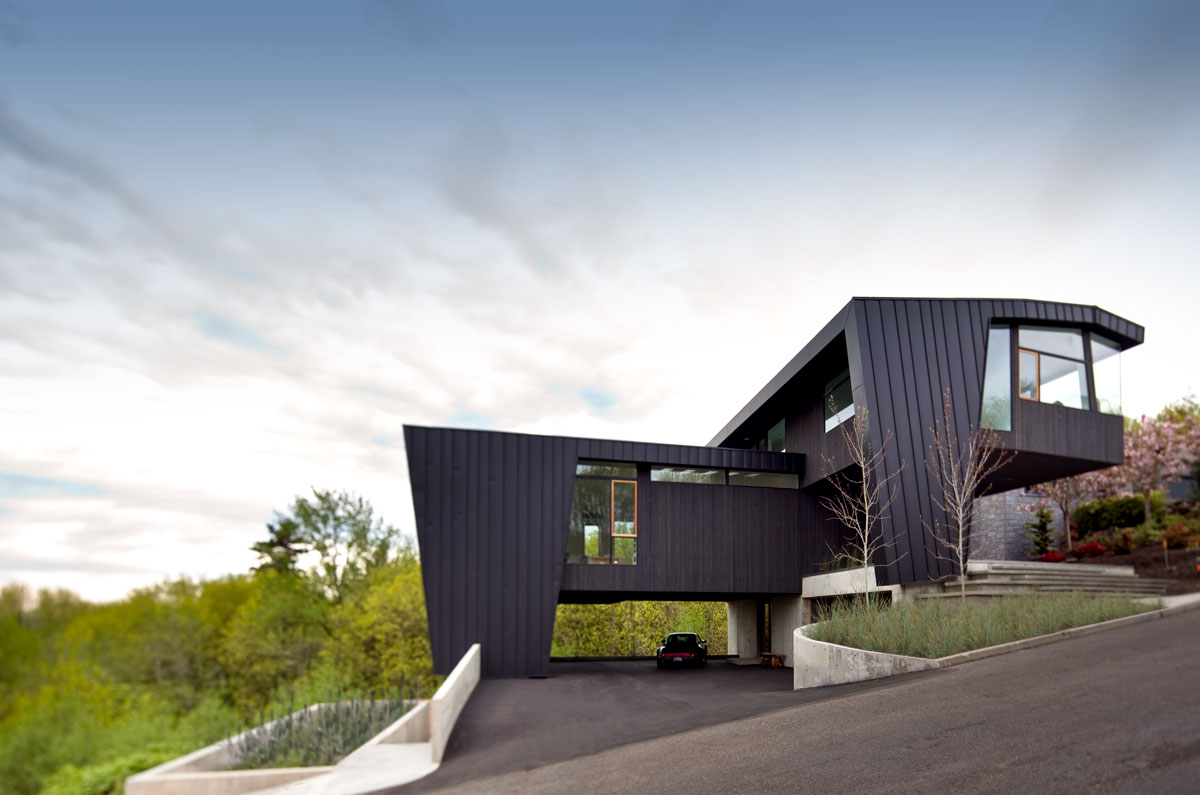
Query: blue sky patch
point(600, 401)
point(13, 485)
point(219, 327)
point(469, 419)
point(381, 441)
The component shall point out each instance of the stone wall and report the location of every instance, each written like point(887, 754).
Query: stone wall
point(998, 530)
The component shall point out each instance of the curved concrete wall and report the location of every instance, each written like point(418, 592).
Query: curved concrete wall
point(818, 664)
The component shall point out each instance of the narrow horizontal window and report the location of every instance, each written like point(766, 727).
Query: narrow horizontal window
point(770, 480)
point(606, 469)
point(711, 477)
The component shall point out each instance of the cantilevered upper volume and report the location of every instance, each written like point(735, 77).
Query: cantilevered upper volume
point(510, 525)
point(1044, 375)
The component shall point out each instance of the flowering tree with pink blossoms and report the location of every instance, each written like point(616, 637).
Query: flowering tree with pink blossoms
point(1158, 451)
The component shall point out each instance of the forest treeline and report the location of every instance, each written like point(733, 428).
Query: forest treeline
point(91, 693)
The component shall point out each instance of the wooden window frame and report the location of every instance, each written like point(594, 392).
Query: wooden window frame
point(612, 509)
point(1037, 382)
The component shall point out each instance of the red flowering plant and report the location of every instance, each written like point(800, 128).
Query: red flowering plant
point(1053, 556)
point(1089, 550)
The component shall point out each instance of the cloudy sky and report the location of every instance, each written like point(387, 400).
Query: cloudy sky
point(241, 244)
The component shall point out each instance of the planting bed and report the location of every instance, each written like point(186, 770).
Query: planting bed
point(1181, 574)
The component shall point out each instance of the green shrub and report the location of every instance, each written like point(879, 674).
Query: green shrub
point(1111, 512)
point(1146, 534)
point(1041, 534)
point(105, 778)
point(938, 627)
point(1192, 523)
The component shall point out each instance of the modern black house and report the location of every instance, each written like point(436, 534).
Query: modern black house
point(510, 525)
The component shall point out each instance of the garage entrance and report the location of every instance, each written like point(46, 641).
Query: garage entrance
point(740, 629)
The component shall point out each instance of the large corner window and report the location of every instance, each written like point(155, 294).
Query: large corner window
point(1106, 372)
point(997, 381)
point(838, 400)
point(604, 526)
point(1051, 366)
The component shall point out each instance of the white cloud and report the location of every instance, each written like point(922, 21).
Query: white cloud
point(495, 270)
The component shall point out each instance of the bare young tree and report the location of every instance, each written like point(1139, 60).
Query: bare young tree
point(861, 495)
point(959, 468)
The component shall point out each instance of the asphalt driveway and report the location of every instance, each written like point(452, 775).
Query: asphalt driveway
point(586, 707)
point(1112, 712)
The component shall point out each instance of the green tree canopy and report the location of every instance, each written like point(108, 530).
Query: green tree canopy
point(282, 548)
point(344, 531)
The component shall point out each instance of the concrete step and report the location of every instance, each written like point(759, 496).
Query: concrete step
point(1056, 582)
point(1108, 582)
point(982, 566)
point(1141, 590)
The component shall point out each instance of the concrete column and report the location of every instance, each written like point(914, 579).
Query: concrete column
point(743, 630)
point(788, 611)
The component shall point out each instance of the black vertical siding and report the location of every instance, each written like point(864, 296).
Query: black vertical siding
point(911, 351)
point(492, 511)
point(492, 508)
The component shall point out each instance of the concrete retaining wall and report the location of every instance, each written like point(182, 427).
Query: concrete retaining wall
point(410, 748)
point(203, 773)
point(450, 699)
point(818, 664)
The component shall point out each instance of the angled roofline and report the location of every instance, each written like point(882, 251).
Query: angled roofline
point(798, 362)
point(1126, 333)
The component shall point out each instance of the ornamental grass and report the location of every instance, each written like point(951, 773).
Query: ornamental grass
point(940, 627)
point(321, 735)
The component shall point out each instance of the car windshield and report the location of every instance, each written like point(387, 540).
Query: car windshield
point(681, 639)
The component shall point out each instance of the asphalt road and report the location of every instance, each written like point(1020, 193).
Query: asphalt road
point(1113, 712)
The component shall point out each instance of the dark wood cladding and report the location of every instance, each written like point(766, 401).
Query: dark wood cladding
point(909, 352)
point(492, 511)
point(492, 508)
point(491, 573)
point(1056, 430)
point(714, 539)
point(902, 355)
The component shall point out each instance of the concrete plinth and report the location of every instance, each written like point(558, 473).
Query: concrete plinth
point(741, 617)
point(788, 611)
